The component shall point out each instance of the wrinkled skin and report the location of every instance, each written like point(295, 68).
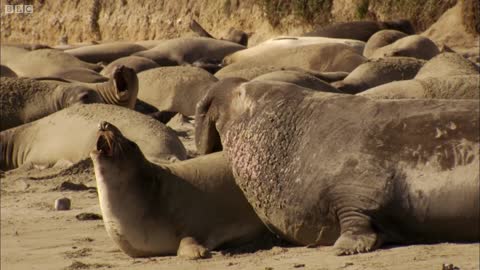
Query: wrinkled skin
point(373, 171)
point(187, 208)
point(208, 121)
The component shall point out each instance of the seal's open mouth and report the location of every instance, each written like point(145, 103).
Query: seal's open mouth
point(120, 82)
point(104, 145)
point(105, 139)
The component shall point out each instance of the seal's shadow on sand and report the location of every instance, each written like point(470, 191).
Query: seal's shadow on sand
point(265, 242)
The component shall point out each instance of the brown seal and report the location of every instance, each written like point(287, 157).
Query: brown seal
point(353, 172)
point(187, 208)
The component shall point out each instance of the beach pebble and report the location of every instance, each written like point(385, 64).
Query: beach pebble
point(62, 204)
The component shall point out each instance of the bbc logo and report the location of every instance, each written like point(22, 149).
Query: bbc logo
point(10, 9)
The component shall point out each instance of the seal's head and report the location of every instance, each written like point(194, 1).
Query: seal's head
point(79, 95)
point(114, 156)
point(125, 82)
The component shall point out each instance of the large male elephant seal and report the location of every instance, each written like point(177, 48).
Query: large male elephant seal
point(208, 123)
point(43, 63)
point(381, 39)
point(187, 208)
point(106, 52)
point(450, 87)
point(321, 57)
point(188, 50)
point(69, 135)
point(373, 171)
point(174, 89)
point(284, 42)
point(379, 71)
point(137, 63)
point(121, 88)
point(360, 30)
point(410, 46)
point(24, 100)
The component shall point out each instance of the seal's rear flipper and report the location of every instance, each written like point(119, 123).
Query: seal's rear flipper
point(189, 248)
point(197, 28)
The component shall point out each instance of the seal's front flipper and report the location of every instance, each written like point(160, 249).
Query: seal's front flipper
point(197, 28)
point(357, 237)
point(189, 248)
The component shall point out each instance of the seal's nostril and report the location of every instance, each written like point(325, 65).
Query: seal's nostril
point(103, 125)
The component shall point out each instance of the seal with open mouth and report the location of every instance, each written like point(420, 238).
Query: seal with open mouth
point(121, 88)
point(186, 208)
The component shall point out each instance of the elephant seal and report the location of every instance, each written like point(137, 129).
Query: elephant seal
point(11, 54)
point(180, 51)
point(447, 64)
point(105, 52)
point(410, 46)
point(43, 62)
point(70, 134)
point(360, 30)
point(373, 172)
point(253, 72)
point(28, 46)
point(451, 87)
point(284, 42)
point(379, 71)
point(303, 79)
point(24, 100)
point(321, 57)
point(83, 75)
point(208, 123)
point(381, 39)
point(137, 63)
point(149, 43)
point(7, 72)
point(187, 208)
point(174, 89)
point(121, 88)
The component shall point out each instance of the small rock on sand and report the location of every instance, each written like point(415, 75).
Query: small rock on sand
point(62, 204)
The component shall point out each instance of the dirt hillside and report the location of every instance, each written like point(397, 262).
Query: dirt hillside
point(107, 20)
